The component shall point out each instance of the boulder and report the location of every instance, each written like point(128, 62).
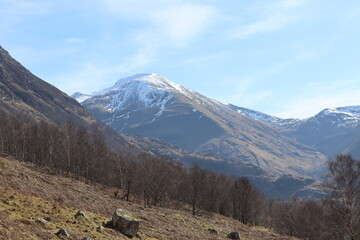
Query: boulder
point(62, 232)
point(125, 222)
point(234, 235)
point(213, 231)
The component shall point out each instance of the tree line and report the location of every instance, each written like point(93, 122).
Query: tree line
point(80, 152)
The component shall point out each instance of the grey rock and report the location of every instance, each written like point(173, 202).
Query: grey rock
point(125, 222)
point(42, 220)
point(81, 214)
point(62, 232)
point(213, 231)
point(234, 235)
point(86, 238)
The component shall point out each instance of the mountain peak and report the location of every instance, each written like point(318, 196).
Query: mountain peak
point(135, 77)
point(153, 80)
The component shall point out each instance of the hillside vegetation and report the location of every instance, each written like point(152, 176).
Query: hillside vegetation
point(29, 195)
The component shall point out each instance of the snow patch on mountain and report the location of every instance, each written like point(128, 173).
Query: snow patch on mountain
point(255, 114)
point(352, 110)
point(80, 97)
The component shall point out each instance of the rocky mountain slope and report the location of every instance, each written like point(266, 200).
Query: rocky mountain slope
point(32, 208)
point(152, 106)
point(21, 92)
point(331, 131)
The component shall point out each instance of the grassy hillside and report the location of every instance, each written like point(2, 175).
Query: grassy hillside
point(35, 205)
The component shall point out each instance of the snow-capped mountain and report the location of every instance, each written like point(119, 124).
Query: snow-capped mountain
point(348, 117)
point(152, 106)
point(341, 117)
point(137, 100)
point(327, 130)
point(331, 131)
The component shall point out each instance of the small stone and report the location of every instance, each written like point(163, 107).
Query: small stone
point(213, 231)
point(234, 235)
point(62, 232)
point(100, 228)
point(42, 220)
point(81, 214)
point(86, 238)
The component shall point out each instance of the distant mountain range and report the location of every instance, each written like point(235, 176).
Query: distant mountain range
point(331, 131)
point(152, 106)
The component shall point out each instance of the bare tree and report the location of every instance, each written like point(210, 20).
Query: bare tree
point(343, 181)
point(245, 199)
point(197, 179)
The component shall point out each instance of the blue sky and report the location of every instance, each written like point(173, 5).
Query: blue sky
point(288, 58)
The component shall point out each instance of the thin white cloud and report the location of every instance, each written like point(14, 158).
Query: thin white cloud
point(18, 8)
point(183, 22)
point(199, 60)
point(14, 11)
point(304, 54)
point(172, 22)
point(98, 74)
point(273, 16)
point(319, 96)
point(265, 26)
point(243, 95)
point(31, 56)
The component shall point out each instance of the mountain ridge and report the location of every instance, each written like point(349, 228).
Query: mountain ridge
point(152, 106)
point(331, 131)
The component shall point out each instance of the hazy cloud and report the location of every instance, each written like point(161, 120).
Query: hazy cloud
point(319, 96)
point(98, 74)
point(243, 95)
point(173, 21)
point(272, 16)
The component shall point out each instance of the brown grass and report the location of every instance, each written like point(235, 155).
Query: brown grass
point(27, 194)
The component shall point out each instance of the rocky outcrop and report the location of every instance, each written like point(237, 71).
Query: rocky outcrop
point(125, 222)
